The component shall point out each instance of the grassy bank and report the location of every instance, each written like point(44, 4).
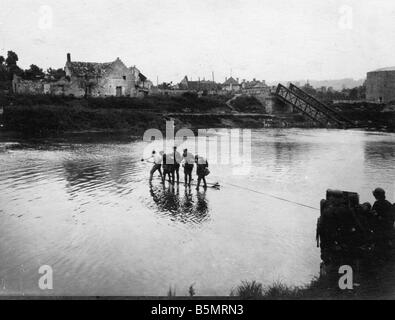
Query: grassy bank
point(187, 102)
point(368, 115)
point(46, 115)
point(253, 290)
point(319, 289)
point(371, 279)
point(48, 119)
point(54, 119)
point(43, 115)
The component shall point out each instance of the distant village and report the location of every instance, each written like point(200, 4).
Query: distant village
point(83, 79)
point(89, 79)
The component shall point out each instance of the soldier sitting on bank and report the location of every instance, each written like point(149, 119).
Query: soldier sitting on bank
point(385, 218)
point(342, 228)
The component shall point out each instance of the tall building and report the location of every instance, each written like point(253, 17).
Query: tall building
point(380, 85)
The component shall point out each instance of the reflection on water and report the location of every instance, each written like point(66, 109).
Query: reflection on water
point(87, 209)
point(184, 208)
point(379, 153)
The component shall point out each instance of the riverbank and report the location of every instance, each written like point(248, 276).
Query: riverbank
point(52, 115)
point(371, 116)
point(369, 285)
point(370, 279)
point(318, 289)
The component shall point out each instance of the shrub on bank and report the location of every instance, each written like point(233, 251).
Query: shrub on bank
point(247, 104)
point(248, 290)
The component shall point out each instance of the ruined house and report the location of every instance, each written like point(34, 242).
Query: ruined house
point(39, 86)
point(89, 79)
point(100, 79)
point(142, 85)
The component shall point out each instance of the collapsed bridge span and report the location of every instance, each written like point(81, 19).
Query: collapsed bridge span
point(317, 111)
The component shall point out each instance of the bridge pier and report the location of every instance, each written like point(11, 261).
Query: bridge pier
point(276, 106)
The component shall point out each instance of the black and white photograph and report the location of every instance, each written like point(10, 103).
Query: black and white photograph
point(197, 149)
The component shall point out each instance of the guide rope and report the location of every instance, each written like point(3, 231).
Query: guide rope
point(270, 195)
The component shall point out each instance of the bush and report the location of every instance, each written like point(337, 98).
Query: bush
point(247, 104)
point(190, 95)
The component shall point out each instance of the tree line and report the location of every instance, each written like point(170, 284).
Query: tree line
point(329, 95)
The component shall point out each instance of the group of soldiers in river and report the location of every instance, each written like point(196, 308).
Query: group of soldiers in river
point(170, 164)
point(349, 230)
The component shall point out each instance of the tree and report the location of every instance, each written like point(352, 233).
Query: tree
point(309, 88)
point(3, 73)
point(55, 74)
point(34, 73)
point(3, 70)
point(354, 94)
point(11, 65)
point(165, 86)
point(12, 59)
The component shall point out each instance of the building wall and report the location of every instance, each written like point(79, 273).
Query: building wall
point(57, 89)
point(75, 87)
point(264, 91)
point(27, 86)
point(380, 86)
point(118, 76)
point(233, 87)
point(34, 87)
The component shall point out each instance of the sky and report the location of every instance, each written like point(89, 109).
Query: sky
point(168, 39)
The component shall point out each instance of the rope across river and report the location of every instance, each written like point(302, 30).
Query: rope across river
point(261, 193)
point(270, 195)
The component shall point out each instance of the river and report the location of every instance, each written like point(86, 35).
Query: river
point(85, 208)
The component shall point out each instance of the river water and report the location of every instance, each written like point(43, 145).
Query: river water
point(85, 208)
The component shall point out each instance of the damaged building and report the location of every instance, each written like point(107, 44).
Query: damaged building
point(89, 79)
point(200, 85)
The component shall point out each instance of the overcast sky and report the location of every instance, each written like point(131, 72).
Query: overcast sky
point(264, 39)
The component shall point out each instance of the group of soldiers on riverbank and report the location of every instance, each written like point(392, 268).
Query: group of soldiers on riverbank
point(349, 230)
point(171, 163)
